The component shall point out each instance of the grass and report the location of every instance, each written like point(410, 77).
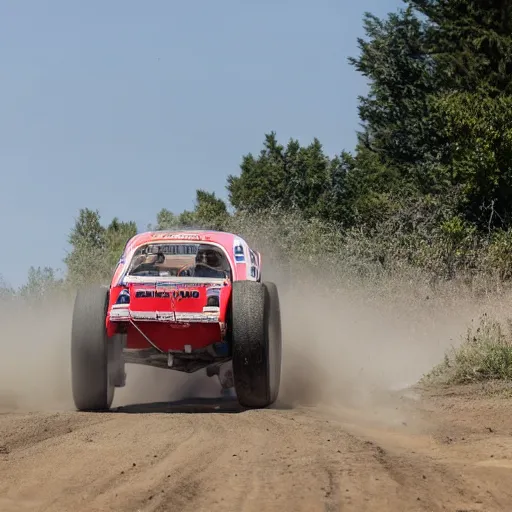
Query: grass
point(485, 354)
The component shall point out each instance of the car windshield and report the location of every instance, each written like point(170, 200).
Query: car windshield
point(180, 260)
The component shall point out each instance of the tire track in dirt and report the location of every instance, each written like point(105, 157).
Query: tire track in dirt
point(209, 456)
point(23, 431)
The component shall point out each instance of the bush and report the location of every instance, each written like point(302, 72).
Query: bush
point(420, 242)
point(485, 354)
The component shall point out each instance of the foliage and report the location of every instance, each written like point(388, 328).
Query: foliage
point(6, 291)
point(398, 128)
point(484, 354)
point(95, 249)
point(116, 236)
point(437, 114)
point(500, 254)
point(40, 283)
point(292, 178)
point(471, 42)
point(479, 129)
point(209, 212)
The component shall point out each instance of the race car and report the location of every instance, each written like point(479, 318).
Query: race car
point(185, 301)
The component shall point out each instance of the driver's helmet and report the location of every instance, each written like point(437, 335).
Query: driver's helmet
point(209, 256)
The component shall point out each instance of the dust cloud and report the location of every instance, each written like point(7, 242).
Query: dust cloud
point(35, 363)
point(341, 345)
point(35, 357)
point(352, 346)
point(145, 385)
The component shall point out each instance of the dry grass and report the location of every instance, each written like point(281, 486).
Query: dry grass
point(485, 354)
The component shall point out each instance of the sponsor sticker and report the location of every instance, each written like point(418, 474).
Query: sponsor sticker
point(151, 293)
point(177, 236)
point(238, 250)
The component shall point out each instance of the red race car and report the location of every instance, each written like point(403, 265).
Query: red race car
point(183, 301)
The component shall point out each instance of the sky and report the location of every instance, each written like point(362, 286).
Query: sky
point(128, 107)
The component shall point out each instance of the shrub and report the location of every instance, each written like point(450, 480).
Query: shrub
point(484, 354)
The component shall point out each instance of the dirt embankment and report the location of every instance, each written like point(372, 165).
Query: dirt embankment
point(340, 438)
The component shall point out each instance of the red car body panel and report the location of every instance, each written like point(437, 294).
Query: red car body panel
point(175, 314)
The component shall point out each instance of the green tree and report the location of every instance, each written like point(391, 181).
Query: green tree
point(165, 219)
point(479, 128)
point(437, 116)
point(399, 140)
point(187, 219)
point(210, 211)
point(88, 229)
point(262, 181)
point(87, 260)
point(95, 249)
point(117, 235)
point(371, 190)
point(41, 282)
point(6, 291)
point(471, 43)
point(291, 177)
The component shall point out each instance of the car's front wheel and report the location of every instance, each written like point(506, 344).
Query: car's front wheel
point(257, 344)
point(92, 353)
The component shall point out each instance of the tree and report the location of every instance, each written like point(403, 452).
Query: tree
point(41, 282)
point(262, 181)
point(88, 230)
point(95, 249)
point(479, 128)
point(294, 177)
point(117, 235)
point(165, 219)
point(210, 211)
point(470, 42)
point(371, 190)
point(399, 132)
point(437, 116)
point(87, 260)
point(6, 291)
point(187, 219)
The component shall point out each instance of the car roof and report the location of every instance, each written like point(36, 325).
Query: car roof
point(189, 235)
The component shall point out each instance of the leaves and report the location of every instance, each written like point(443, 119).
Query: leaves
point(41, 282)
point(395, 113)
point(479, 129)
point(95, 250)
point(293, 177)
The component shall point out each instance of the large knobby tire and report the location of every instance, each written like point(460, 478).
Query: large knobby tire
point(93, 389)
point(256, 338)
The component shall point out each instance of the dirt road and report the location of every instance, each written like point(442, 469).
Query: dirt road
point(406, 455)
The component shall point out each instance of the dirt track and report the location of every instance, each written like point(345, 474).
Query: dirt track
point(208, 455)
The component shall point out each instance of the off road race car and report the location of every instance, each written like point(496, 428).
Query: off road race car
point(185, 301)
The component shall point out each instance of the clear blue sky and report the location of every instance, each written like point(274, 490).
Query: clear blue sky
point(129, 106)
